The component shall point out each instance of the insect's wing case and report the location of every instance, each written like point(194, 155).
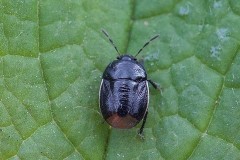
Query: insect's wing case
point(138, 101)
point(141, 100)
point(106, 99)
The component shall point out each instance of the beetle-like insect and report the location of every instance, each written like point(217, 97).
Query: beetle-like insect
point(124, 92)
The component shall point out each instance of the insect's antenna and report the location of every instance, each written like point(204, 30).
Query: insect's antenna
point(111, 41)
point(147, 43)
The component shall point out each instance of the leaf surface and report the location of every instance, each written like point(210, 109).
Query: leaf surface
point(52, 56)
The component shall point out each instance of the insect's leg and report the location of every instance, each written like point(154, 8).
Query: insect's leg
point(153, 84)
point(143, 124)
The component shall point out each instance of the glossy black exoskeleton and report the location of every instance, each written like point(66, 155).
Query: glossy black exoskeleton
point(124, 92)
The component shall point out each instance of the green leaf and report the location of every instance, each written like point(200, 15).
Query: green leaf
point(52, 56)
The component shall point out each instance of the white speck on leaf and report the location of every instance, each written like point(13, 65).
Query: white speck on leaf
point(233, 91)
point(233, 76)
point(237, 103)
point(119, 155)
point(152, 56)
point(19, 34)
point(145, 23)
point(217, 4)
point(182, 67)
point(184, 10)
point(215, 52)
point(174, 138)
point(222, 34)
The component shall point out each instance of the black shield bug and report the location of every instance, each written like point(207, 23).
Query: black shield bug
point(124, 92)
